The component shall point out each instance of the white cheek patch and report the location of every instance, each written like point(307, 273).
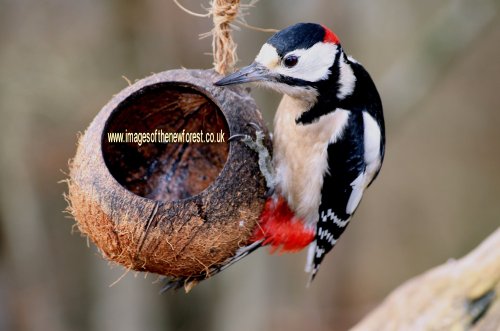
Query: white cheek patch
point(314, 63)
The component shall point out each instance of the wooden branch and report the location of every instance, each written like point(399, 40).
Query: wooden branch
point(458, 295)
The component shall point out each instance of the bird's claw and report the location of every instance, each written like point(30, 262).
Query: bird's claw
point(265, 161)
point(255, 126)
point(259, 135)
point(243, 137)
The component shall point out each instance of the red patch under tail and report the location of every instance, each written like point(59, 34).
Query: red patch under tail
point(281, 229)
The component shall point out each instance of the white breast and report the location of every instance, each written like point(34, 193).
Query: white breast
point(300, 156)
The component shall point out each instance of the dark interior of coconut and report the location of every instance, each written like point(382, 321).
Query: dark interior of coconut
point(159, 170)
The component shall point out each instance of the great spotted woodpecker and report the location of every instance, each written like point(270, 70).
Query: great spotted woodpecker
point(329, 140)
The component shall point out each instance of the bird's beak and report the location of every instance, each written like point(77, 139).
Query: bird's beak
point(252, 73)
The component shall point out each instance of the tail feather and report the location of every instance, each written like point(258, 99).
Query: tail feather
point(311, 268)
point(278, 228)
point(189, 282)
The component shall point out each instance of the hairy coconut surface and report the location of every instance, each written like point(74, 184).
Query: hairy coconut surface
point(169, 208)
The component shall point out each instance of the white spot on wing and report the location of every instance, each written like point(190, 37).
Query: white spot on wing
point(325, 234)
point(319, 252)
point(330, 216)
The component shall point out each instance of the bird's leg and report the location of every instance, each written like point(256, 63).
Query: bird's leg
point(265, 160)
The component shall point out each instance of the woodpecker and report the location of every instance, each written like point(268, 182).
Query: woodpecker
point(328, 142)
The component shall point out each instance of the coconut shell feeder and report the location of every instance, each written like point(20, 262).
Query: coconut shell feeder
point(174, 208)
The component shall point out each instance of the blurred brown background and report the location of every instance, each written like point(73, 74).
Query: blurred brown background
point(437, 67)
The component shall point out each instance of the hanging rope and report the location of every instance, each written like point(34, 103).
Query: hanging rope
point(225, 14)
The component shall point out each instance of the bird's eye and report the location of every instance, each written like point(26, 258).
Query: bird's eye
point(290, 61)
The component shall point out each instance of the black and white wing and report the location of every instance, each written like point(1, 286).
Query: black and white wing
point(354, 159)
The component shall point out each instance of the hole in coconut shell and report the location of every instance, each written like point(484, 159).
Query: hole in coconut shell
point(166, 171)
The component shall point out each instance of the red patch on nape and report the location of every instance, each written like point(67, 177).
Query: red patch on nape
point(280, 228)
point(330, 37)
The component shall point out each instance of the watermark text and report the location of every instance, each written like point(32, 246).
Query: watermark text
point(163, 137)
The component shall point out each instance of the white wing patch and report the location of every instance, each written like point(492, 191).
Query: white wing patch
point(372, 158)
point(372, 143)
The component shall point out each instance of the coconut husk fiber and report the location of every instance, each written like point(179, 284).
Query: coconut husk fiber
point(173, 209)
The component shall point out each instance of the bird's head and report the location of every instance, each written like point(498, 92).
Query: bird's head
point(292, 61)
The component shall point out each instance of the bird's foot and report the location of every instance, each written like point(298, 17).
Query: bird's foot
point(265, 161)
